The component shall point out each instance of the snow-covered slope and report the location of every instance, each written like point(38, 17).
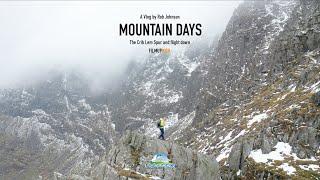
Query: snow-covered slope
point(252, 102)
point(271, 104)
point(52, 128)
point(156, 88)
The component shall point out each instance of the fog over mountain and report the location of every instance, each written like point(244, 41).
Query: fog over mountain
point(243, 103)
point(37, 37)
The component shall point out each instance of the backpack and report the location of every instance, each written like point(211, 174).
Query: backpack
point(158, 124)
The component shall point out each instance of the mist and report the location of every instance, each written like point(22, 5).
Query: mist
point(36, 37)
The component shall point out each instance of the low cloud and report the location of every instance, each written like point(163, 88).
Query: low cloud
point(39, 36)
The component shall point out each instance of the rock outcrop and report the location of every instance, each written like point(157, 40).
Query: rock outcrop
point(252, 101)
point(130, 158)
point(267, 123)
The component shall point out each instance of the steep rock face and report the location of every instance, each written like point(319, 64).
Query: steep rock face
point(72, 126)
point(300, 35)
point(33, 150)
point(158, 87)
point(274, 132)
point(54, 127)
point(128, 159)
point(253, 103)
point(239, 64)
point(287, 124)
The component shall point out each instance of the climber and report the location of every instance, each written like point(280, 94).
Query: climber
point(161, 124)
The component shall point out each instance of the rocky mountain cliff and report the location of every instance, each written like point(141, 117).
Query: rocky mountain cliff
point(266, 121)
point(251, 102)
point(161, 86)
point(128, 159)
point(53, 127)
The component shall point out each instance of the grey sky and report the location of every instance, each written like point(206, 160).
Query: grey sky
point(37, 36)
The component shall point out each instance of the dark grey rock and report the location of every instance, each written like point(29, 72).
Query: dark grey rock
point(316, 98)
point(135, 150)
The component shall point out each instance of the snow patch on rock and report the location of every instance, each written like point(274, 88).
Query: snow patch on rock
point(257, 118)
